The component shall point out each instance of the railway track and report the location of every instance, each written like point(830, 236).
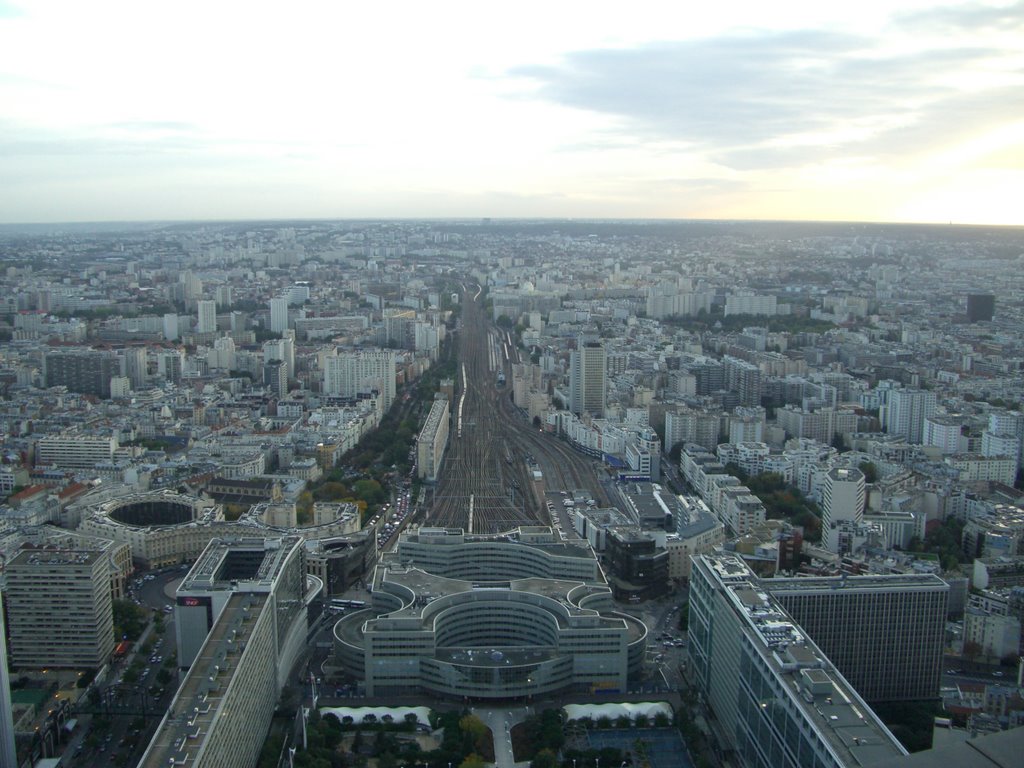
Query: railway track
point(485, 484)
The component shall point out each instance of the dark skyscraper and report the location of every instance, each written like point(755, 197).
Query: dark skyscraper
point(87, 372)
point(980, 307)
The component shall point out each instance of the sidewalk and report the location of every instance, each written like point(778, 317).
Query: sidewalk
point(501, 721)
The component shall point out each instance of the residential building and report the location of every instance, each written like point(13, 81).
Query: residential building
point(906, 411)
point(349, 374)
point(75, 451)
point(207, 316)
point(59, 609)
point(85, 371)
point(432, 441)
point(588, 386)
point(279, 314)
point(842, 500)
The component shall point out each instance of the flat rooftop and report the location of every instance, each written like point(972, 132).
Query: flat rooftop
point(47, 558)
point(181, 735)
point(227, 564)
point(816, 584)
point(843, 719)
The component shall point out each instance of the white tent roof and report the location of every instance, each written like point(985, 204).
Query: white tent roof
point(613, 711)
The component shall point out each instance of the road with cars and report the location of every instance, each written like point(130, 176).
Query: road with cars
point(130, 702)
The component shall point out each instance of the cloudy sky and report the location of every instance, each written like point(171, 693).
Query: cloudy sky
point(788, 110)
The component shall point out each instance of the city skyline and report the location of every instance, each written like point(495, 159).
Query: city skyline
point(116, 112)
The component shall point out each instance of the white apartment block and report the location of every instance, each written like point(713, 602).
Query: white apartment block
point(433, 439)
point(976, 469)
point(738, 304)
point(75, 451)
point(348, 374)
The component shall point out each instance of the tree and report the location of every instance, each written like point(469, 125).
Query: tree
point(473, 760)
point(544, 759)
point(870, 471)
point(972, 649)
point(684, 616)
point(304, 508)
point(475, 729)
point(129, 619)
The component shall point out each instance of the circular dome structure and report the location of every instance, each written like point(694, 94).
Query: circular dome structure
point(153, 512)
point(161, 527)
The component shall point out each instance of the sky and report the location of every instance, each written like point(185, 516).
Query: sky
point(868, 111)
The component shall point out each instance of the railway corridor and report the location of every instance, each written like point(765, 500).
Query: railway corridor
point(485, 466)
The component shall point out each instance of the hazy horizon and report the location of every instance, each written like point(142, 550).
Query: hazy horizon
point(117, 111)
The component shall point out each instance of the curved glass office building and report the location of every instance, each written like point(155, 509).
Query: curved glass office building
point(465, 616)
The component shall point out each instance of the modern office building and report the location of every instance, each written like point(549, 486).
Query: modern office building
point(85, 371)
point(776, 698)
point(637, 565)
point(207, 316)
point(279, 314)
point(59, 609)
point(906, 411)
point(8, 748)
point(351, 373)
point(241, 621)
point(490, 617)
point(981, 307)
point(432, 441)
point(842, 500)
point(884, 633)
point(588, 385)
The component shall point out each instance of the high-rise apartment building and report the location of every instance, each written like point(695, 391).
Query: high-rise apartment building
point(744, 379)
point(884, 633)
point(588, 384)
point(279, 314)
point(282, 349)
point(906, 411)
point(59, 608)
point(223, 296)
point(349, 374)
point(85, 371)
point(171, 326)
point(275, 376)
point(136, 366)
point(778, 701)
point(207, 320)
point(842, 500)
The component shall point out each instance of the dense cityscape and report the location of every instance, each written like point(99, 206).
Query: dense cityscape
point(508, 492)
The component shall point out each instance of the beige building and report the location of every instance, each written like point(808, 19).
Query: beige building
point(59, 609)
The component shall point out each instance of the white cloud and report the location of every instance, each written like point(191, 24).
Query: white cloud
point(133, 110)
